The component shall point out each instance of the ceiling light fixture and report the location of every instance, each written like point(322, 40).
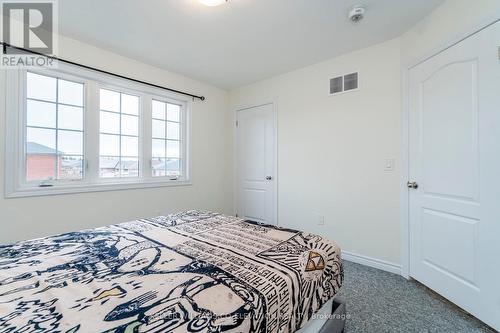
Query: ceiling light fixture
point(212, 3)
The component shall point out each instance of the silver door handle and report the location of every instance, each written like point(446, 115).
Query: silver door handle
point(412, 185)
point(269, 178)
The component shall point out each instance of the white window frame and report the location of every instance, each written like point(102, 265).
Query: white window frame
point(15, 182)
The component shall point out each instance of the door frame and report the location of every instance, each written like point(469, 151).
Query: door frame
point(236, 109)
point(405, 138)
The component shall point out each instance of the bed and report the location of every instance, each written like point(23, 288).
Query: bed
point(187, 272)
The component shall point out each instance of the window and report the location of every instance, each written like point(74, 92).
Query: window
point(73, 130)
point(119, 135)
point(54, 129)
point(166, 139)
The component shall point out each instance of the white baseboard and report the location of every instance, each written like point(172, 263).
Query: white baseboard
point(372, 262)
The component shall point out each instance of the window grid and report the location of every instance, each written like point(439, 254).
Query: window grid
point(56, 129)
point(133, 159)
point(167, 158)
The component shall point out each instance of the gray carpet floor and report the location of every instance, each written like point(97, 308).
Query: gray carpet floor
point(378, 302)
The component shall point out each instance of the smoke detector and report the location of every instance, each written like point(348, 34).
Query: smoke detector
point(356, 14)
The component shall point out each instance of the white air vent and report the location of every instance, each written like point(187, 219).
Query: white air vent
point(344, 83)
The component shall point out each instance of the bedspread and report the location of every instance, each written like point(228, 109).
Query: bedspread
point(187, 272)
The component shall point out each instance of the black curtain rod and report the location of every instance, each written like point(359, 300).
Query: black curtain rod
point(7, 45)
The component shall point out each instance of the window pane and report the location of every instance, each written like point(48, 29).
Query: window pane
point(110, 122)
point(173, 149)
point(124, 123)
point(130, 104)
point(109, 145)
point(110, 100)
point(54, 152)
point(173, 112)
point(70, 143)
point(173, 131)
point(109, 167)
point(41, 87)
point(70, 93)
point(41, 114)
point(173, 167)
point(70, 117)
point(158, 148)
point(71, 167)
point(158, 167)
point(130, 125)
point(166, 142)
point(158, 110)
point(158, 129)
point(130, 146)
point(130, 167)
point(43, 140)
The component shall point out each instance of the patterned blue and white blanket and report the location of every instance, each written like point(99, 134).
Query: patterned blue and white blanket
point(187, 272)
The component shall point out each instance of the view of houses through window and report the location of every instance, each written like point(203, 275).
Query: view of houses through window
point(54, 128)
point(166, 139)
point(119, 135)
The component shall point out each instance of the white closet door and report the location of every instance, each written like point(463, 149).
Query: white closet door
point(256, 139)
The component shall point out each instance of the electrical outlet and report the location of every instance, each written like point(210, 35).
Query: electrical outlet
point(389, 164)
point(321, 220)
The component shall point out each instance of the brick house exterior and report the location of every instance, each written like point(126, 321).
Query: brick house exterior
point(41, 162)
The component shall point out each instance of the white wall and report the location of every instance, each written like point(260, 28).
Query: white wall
point(332, 150)
point(27, 218)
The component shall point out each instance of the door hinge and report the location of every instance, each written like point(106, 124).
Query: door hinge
point(236, 123)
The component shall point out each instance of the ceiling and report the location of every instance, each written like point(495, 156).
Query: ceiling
point(237, 43)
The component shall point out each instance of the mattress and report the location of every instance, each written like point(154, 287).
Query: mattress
point(187, 272)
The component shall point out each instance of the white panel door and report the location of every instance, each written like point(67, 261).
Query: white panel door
point(454, 104)
point(256, 158)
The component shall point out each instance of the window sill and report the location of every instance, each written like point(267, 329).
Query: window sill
point(86, 188)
